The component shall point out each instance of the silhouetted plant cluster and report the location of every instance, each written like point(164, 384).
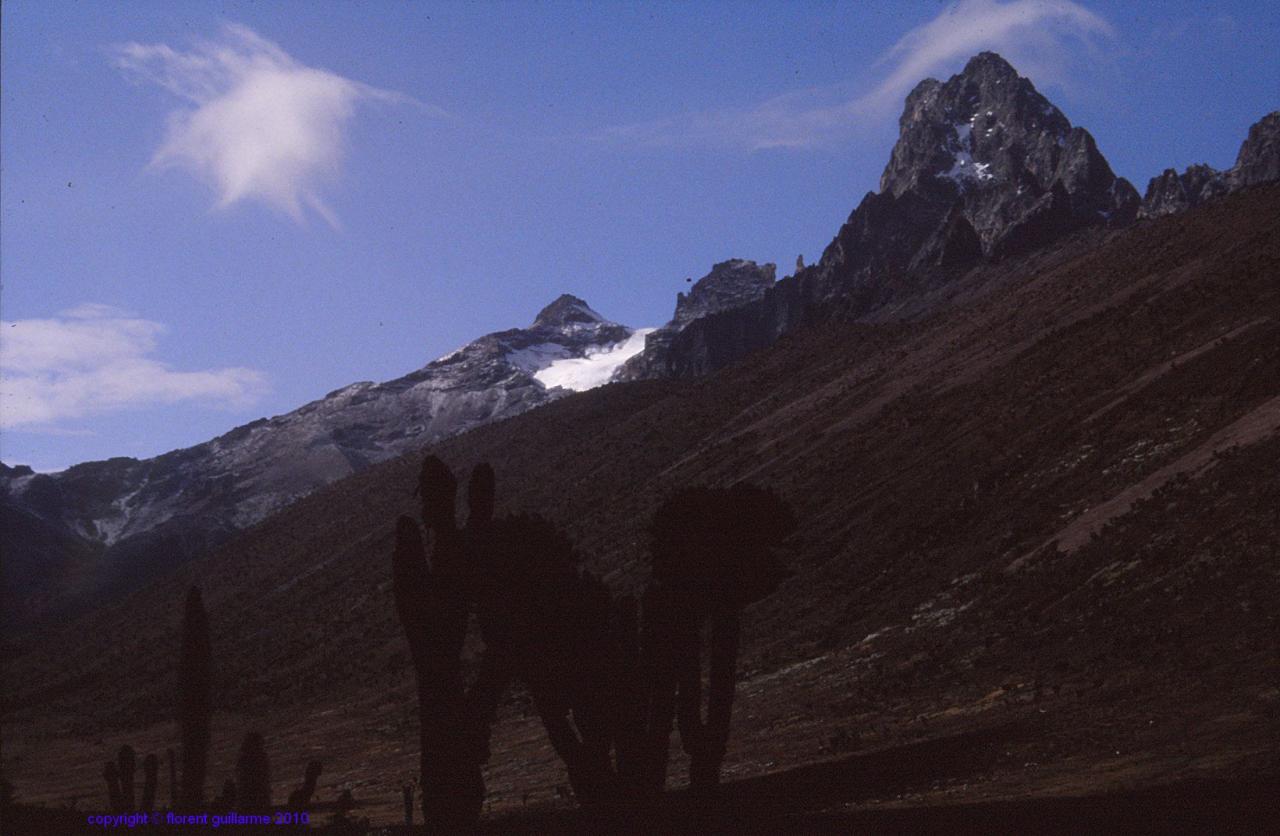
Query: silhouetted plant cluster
point(193, 719)
point(119, 774)
point(432, 599)
point(300, 799)
point(248, 792)
point(712, 555)
point(195, 680)
point(607, 676)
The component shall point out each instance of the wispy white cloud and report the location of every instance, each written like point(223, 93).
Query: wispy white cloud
point(256, 123)
point(94, 359)
point(1036, 36)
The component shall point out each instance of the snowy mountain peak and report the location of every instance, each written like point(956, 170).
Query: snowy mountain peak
point(595, 368)
point(567, 310)
point(987, 115)
point(159, 511)
point(987, 154)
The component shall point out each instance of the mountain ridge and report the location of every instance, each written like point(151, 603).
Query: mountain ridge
point(130, 517)
point(1049, 504)
point(1258, 161)
point(985, 169)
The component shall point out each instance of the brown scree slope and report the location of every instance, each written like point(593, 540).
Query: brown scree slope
point(1047, 513)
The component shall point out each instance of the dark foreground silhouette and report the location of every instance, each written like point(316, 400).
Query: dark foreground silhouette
point(248, 792)
point(810, 799)
point(814, 799)
point(608, 677)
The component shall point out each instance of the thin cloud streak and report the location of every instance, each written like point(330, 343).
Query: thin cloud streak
point(1037, 36)
point(257, 124)
point(95, 359)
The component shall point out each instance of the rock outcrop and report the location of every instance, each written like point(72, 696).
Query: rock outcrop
point(1257, 162)
point(985, 167)
point(730, 284)
point(1172, 192)
point(1259, 157)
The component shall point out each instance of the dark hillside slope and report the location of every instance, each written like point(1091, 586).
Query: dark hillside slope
point(1047, 511)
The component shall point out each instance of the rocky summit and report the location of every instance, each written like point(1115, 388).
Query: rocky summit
point(984, 168)
point(111, 525)
point(1172, 192)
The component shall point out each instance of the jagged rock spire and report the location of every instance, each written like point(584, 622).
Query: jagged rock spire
point(989, 140)
point(1172, 192)
point(1257, 162)
point(1259, 157)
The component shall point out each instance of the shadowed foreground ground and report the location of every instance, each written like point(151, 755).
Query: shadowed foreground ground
point(1052, 503)
point(831, 798)
point(869, 793)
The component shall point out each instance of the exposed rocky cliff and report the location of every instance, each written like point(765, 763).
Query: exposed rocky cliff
point(1257, 162)
point(987, 148)
point(984, 167)
point(1259, 157)
point(1172, 192)
point(730, 284)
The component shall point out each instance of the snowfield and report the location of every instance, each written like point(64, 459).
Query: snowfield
point(582, 373)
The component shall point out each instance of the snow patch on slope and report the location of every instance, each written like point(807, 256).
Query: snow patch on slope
point(963, 166)
point(583, 373)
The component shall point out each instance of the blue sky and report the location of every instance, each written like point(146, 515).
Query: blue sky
point(212, 212)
